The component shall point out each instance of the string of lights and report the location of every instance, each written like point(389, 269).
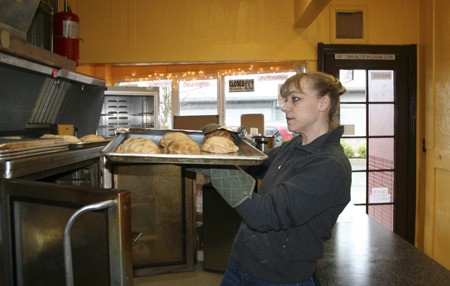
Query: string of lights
point(204, 71)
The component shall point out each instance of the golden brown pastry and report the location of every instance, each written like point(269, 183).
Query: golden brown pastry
point(70, 139)
point(138, 145)
point(170, 137)
point(219, 133)
point(50, 136)
point(179, 143)
point(219, 145)
point(66, 138)
point(92, 138)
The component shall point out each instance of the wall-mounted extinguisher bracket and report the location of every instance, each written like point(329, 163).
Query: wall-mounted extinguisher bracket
point(66, 40)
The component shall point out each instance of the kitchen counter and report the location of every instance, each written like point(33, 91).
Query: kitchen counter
point(364, 252)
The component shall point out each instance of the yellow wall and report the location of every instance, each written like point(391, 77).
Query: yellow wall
point(161, 31)
point(435, 77)
point(188, 31)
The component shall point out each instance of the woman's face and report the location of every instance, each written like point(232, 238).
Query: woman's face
point(303, 110)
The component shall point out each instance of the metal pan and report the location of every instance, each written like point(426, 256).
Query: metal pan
point(13, 145)
point(84, 145)
point(247, 154)
point(33, 152)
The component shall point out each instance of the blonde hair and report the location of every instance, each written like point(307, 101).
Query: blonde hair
point(325, 85)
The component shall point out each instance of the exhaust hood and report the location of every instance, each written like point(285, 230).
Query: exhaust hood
point(37, 97)
point(16, 16)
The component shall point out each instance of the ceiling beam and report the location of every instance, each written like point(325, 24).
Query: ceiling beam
point(305, 11)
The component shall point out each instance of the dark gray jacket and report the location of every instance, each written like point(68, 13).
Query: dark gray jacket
point(302, 193)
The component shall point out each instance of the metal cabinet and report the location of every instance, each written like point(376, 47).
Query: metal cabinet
point(162, 211)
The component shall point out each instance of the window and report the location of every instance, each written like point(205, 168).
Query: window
point(249, 93)
point(165, 97)
point(254, 93)
point(198, 97)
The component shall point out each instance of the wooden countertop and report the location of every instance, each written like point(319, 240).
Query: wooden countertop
point(364, 252)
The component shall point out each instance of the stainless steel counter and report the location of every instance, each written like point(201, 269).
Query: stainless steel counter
point(41, 166)
point(364, 252)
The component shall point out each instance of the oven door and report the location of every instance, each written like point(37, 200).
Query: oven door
point(34, 216)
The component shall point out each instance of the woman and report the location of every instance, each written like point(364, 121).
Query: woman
point(305, 186)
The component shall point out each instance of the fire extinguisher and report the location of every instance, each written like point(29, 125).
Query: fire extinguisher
point(66, 40)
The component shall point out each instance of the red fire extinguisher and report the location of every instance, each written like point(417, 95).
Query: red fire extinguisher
point(66, 40)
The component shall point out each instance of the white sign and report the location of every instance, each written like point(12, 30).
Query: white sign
point(380, 191)
point(379, 199)
point(381, 75)
point(380, 195)
point(379, 57)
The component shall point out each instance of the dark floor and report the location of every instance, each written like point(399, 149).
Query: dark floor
point(198, 277)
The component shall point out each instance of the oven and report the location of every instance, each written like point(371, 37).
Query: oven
point(34, 217)
point(128, 107)
point(52, 204)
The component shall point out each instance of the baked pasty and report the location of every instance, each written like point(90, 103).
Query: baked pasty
point(50, 136)
point(219, 133)
point(171, 137)
point(70, 139)
point(179, 143)
point(92, 138)
point(138, 145)
point(219, 145)
point(66, 138)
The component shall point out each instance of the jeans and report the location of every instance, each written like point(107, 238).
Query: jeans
point(233, 277)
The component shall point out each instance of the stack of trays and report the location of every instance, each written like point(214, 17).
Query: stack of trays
point(11, 149)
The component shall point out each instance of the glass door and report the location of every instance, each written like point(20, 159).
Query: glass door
point(378, 112)
point(367, 112)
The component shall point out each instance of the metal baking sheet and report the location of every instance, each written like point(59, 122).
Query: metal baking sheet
point(13, 145)
point(28, 153)
point(247, 154)
point(84, 145)
point(11, 149)
point(42, 166)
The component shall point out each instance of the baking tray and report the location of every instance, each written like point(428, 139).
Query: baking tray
point(13, 145)
point(84, 145)
point(31, 152)
point(247, 154)
point(11, 149)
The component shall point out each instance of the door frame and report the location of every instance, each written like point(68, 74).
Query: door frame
point(405, 127)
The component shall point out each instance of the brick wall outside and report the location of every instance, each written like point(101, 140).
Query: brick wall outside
point(383, 179)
